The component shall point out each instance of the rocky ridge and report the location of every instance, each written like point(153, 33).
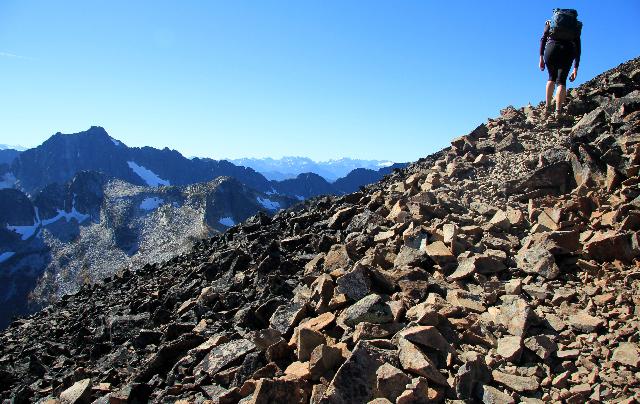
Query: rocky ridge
point(502, 269)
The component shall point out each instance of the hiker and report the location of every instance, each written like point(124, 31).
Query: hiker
point(559, 47)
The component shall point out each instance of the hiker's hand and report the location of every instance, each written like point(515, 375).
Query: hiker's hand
point(574, 74)
point(541, 63)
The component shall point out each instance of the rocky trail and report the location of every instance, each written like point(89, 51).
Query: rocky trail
point(502, 269)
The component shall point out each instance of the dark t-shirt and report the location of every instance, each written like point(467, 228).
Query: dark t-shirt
point(547, 38)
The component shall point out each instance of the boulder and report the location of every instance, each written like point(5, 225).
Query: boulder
point(510, 348)
point(372, 309)
point(520, 384)
point(287, 316)
point(628, 354)
point(390, 382)
point(355, 380)
point(323, 359)
point(414, 360)
point(515, 314)
point(307, 340)
point(223, 355)
point(79, 393)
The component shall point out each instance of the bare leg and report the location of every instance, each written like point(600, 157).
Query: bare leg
point(561, 94)
point(550, 88)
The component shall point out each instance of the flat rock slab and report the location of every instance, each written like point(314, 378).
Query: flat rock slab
point(585, 322)
point(520, 384)
point(416, 361)
point(627, 353)
point(223, 355)
point(79, 393)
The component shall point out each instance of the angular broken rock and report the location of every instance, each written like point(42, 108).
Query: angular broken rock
point(585, 322)
point(323, 359)
point(466, 300)
point(427, 336)
point(411, 257)
point(79, 393)
point(472, 374)
point(307, 340)
point(521, 384)
point(510, 348)
point(537, 260)
point(481, 264)
point(355, 283)
point(390, 382)
point(440, 253)
point(541, 345)
point(415, 361)
point(287, 316)
point(224, 355)
point(627, 353)
point(491, 395)
point(515, 314)
point(418, 392)
point(355, 380)
point(277, 391)
point(372, 309)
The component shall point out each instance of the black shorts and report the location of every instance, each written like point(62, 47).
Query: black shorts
point(558, 57)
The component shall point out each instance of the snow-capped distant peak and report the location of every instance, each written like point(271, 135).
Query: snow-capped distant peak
point(386, 164)
point(148, 176)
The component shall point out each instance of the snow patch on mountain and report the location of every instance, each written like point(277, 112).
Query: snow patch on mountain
point(116, 142)
point(151, 203)
point(227, 221)
point(6, 255)
point(147, 175)
point(68, 216)
point(25, 232)
point(268, 203)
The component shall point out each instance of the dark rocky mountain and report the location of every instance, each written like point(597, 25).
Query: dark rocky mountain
point(362, 176)
point(92, 226)
point(60, 157)
point(8, 155)
point(502, 269)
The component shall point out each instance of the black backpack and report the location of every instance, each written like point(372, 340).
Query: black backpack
point(564, 25)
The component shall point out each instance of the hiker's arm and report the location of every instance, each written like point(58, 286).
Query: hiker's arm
point(578, 51)
point(578, 46)
point(543, 43)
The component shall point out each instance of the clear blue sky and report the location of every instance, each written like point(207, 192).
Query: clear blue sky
point(324, 79)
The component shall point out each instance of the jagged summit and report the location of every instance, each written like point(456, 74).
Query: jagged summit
point(501, 269)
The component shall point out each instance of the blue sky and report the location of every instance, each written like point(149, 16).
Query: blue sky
point(323, 79)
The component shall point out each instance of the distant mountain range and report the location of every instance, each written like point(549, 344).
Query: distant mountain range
point(290, 167)
point(12, 147)
point(80, 206)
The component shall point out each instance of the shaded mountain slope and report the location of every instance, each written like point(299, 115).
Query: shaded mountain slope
point(501, 269)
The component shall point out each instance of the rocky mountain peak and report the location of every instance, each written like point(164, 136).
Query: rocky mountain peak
point(500, 269)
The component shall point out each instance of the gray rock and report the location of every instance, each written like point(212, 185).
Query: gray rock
point(223, 355)
point(355, 283)
point(372, 309)
point(537, 260)
point(355, 380)
point(287, 316)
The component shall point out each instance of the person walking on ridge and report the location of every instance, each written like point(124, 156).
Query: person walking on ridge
point(559, 47)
